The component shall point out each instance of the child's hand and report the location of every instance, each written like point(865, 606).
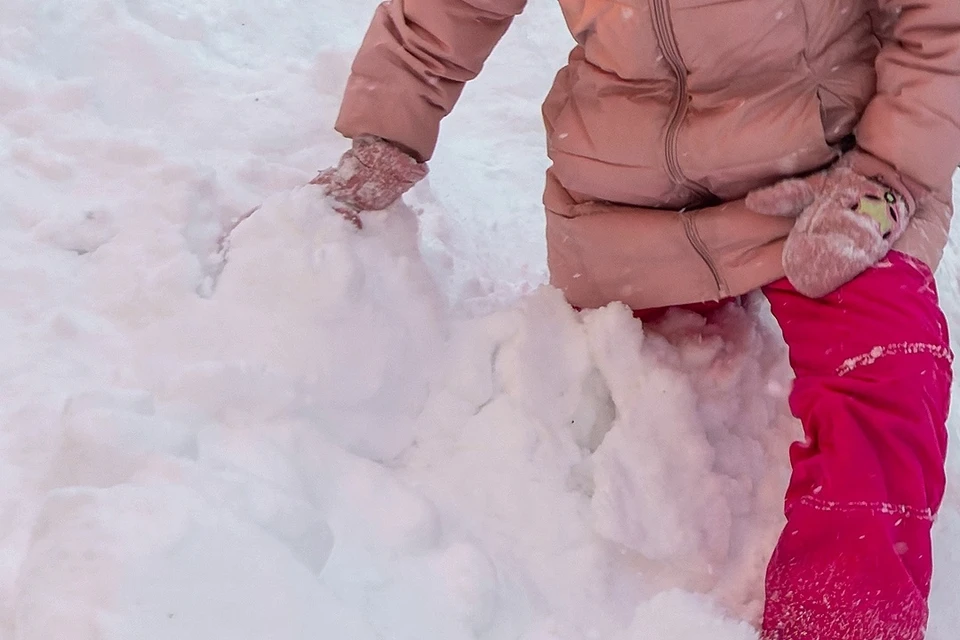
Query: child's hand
point(846, 223)
point(371, 176)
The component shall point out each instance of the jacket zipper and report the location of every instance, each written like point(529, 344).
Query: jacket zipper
point(690, 228)
point(667, 40)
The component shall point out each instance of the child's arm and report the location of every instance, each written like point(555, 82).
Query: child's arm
point(913, 123)
point(412, 66)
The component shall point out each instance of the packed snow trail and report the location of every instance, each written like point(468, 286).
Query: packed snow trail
point(396, 433)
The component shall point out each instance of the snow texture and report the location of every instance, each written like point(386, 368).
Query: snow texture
point(397, 432)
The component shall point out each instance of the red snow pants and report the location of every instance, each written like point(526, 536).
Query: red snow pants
point(872, 389)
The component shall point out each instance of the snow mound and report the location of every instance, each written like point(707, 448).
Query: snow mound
point(393, 433)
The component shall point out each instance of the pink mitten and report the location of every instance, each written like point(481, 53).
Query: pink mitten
point(846, 223)
point(371, 176)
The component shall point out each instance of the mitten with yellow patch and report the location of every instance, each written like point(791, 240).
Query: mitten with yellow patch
point(847, 221)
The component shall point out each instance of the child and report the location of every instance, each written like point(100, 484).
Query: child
point(702, 150)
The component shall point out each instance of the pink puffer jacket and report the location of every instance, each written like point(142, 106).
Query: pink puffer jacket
point(670, 111)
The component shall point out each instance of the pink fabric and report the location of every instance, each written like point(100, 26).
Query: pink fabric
point(705, 309)
point(371, 176)
point(668, 107)
point(872, 389)
point(835, 238)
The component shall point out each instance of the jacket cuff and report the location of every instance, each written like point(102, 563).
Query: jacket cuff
point(374, 109)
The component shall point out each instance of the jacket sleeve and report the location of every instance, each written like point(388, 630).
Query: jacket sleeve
point(413, 63)
point(913, 122)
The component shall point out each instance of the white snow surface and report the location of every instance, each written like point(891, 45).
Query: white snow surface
point(395, 433)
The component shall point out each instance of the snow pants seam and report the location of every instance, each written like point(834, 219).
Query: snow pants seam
point(901, 348)
point(873, 508)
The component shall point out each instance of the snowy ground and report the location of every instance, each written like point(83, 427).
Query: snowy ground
point(388, 434)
